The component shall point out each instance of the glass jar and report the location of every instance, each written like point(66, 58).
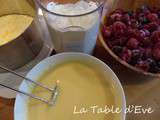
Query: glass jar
point(73, 24)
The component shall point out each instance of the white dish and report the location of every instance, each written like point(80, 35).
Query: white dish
point(20, 111)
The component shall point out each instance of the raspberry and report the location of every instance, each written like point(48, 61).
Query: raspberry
point(152, 17)
point(151, 26)
point(135, 33)
point(146, 42)
point(147, 53)
point(116, 17)
point(146, 26)
point(143, 65)
point(119, 28)
point(115, 42)
point(126, 18)
point(136, 55)
point(155, 36)
point(118, 41)
point(147, 12)
point(131, 32)
point(132, 43)
point(156, 53)
point(126, 55)
point(142, 49)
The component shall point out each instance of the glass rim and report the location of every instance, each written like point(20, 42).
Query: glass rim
point(77, 15)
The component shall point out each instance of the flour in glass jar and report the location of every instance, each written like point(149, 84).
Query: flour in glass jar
point(73, 33)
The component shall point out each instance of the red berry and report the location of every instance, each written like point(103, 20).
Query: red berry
point(126, 18)
point(156, 53)
point(147, 53)
point(152, 17)
point(119, 28)
point(146, 26)
point(126, 55)
point(146, 42)
point(131, 32)
point(151, 26)
point(119, 41)
point(135, 33)
point(143, 65)
point(155, 36)
point(136, 55)
point(132, 43)
point(116, 17)
point(147, 12)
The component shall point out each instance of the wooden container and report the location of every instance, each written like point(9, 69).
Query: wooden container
point(109, 56)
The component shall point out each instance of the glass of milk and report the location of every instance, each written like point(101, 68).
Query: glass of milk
point(73, 24)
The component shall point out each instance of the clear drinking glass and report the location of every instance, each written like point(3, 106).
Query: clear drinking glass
point(73, 24)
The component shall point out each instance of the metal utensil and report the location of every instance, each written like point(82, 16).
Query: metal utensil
point(54, 91)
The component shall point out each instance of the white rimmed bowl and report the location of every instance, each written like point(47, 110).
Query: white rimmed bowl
point(20, 110)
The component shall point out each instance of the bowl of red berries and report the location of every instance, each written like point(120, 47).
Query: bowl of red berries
point(132, 37)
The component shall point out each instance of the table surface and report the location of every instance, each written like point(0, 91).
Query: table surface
point(137, 93)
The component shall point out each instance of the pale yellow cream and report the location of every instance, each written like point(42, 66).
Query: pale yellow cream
point(81, 86)
point(12, 26)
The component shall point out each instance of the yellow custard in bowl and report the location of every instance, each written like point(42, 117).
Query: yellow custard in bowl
point(12, 26)
point(86, 88)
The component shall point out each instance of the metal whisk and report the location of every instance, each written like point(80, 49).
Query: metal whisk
point(54, 91)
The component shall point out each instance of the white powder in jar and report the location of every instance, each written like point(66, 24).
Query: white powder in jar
point(73, 33)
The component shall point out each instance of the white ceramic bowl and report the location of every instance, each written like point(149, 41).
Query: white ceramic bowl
point(21, 100)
